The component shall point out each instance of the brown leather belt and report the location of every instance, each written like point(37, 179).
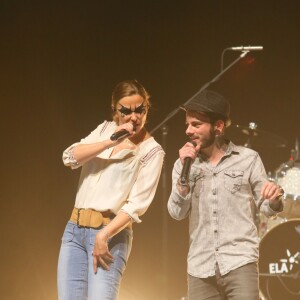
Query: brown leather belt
point(92, 218)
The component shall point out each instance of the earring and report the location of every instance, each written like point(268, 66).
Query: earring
point(122, 115)
point(219, 133)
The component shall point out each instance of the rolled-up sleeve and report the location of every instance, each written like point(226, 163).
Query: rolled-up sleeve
point(178, 206)
point(69, 159)
point(268, 211)
point(258, 178)
point(95, 136)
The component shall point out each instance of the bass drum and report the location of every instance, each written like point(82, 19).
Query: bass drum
point(279, 262)
point(288, 176)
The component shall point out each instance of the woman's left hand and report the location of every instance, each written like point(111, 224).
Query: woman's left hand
point(101, 254)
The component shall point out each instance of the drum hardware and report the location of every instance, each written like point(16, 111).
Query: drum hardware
point(288, 177)
point(251, 137)
point(251, 133)
point(295, 152)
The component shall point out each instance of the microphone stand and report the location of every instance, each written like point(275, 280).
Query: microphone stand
point(206, 85)
point(164, 131)
point(164, 243)
point(223, 53)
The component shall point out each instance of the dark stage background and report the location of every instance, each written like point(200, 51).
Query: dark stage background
point(59, 63)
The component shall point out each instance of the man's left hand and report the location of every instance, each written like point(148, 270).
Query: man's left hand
point(274, 193)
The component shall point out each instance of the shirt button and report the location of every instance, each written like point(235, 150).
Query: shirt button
point(215, 230)
point(214, 191)
point(215, 174)
point(217, 249)
point(215, 212)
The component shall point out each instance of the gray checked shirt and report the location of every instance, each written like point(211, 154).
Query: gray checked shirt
point(219, 206)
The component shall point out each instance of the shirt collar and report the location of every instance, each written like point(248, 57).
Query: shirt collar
point(231, 148)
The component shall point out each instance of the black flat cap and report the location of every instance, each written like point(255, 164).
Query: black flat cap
point(209, 101)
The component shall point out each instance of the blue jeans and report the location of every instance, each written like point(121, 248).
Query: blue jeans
point(76, 278)
point(241, 283)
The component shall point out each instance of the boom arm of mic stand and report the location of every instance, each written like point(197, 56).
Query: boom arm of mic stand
point(174, 112)
point(244, 52)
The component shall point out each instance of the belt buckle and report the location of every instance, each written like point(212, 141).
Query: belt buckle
point(78, 216)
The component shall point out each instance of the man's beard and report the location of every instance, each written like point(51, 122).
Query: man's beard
point(208, 141)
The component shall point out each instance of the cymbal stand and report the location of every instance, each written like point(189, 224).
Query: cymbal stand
point(252, 127)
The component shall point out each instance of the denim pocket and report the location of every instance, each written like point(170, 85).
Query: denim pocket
point(233, 180)
point(68, 233)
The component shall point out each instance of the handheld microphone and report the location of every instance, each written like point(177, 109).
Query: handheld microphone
point(184, 176)
point(246, 48)
point(121, 134)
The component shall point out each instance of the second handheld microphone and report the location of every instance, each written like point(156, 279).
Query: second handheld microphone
point(185, 173)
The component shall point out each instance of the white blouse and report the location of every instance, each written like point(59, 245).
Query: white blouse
point(125, 181)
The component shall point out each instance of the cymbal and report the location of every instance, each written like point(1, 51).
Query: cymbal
point(249, 136)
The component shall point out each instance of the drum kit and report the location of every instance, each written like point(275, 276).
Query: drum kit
point(279, 248)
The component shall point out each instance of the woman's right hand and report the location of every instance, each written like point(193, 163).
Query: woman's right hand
point(129, 127)
point(101, 254)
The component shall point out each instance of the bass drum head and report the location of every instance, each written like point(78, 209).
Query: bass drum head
point(279, 262)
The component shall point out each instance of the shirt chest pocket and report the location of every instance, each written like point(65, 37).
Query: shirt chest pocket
point(233, 180)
